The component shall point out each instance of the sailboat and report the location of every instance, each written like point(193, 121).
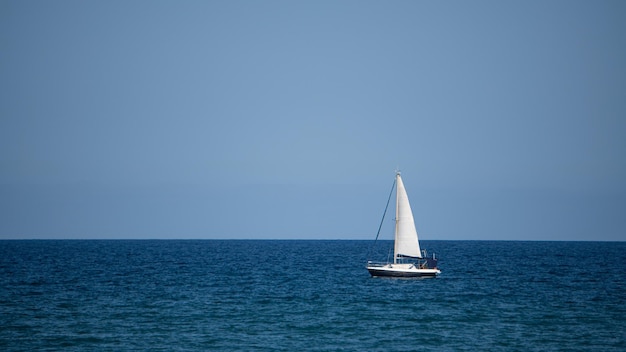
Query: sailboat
point(408, 259)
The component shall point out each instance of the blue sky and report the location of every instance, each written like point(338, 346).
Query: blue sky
point(287, 119)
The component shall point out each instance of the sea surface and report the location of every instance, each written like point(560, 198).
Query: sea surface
point(248, 295)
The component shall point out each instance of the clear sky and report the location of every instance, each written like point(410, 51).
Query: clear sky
point(287, 119)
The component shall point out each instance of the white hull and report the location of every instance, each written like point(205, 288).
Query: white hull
point(400, 270)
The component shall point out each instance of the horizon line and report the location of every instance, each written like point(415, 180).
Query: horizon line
point(294, 239)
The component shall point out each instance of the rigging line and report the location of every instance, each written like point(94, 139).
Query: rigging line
point(383, 219)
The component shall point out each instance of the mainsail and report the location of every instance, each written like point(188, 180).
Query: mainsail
point(406, 242)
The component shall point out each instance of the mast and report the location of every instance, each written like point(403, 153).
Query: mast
point(396, 242)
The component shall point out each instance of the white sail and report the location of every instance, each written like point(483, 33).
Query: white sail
point(406, 242)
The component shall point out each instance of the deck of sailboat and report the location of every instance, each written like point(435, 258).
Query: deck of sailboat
point(400, 270)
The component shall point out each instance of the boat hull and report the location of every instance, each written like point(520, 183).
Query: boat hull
point(401, 271)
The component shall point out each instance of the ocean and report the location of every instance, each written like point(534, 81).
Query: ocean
point(296, 295)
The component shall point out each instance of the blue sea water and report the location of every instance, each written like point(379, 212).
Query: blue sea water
point(309, 296)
